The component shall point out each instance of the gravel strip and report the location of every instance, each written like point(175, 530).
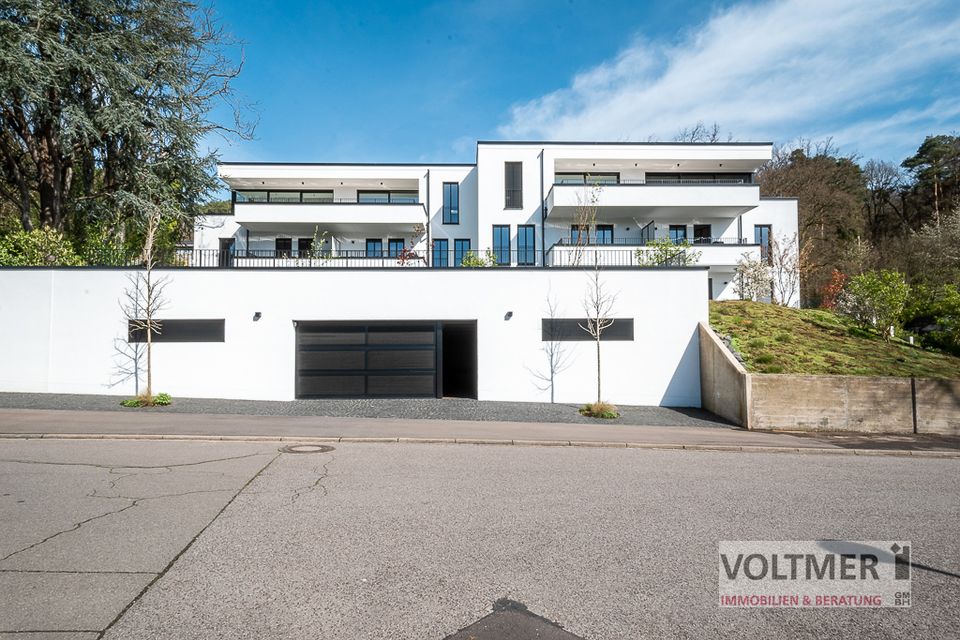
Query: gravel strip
point(403, 408)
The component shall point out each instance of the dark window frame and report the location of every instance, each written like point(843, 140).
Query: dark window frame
point(386, 196)
point(758, 239)
point(179, 330)
point(677, 227)
point(701, 239)
point(513, 185)
point(451, 209)
point(527, 255)
point(501, 248)
point(304, 247)
point(584, 175)
point(395, 247)
point(285, 252)
point(378, 242)
point(603, 228)
point(459, 253)
point(441, 249)
point(572, 330)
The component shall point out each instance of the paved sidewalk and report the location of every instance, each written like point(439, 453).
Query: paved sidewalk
point(400, 408)
point(50, 423)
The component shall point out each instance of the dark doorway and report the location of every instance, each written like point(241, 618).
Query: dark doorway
point(702, 233)
point(226, 252)
point(459, 359)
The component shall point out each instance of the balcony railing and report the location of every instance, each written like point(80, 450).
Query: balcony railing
point(642, 241)
point(556, 256)
point(657, 181)
point(322, 197)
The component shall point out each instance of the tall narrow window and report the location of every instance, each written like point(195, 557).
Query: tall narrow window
point(374, 248)
point(526, 244)
point(441, 253)
point(513, 185)
point(678, 233)
point(501, 243)
point(451, 203)
point(461, 249)
point(394, 247)
point(761, 236)
point(283, 247)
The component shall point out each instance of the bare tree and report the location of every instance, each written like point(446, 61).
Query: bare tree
point(752, 279)
point(598, 305)
point(585, 220)
point(558, 359)
point(787, 263)
point(142, 301)
point(702, 133)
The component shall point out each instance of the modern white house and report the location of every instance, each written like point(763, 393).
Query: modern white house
point(521, 204)
point(422, 280)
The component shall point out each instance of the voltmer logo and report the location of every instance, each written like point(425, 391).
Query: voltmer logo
point(814, 573)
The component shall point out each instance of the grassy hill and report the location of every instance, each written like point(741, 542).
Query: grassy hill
point(775, 339)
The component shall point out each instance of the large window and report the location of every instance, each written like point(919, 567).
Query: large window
point(586, 178)
point(451, 203)
point(698, 178)
point(501, 243)
point(394, 247)
point(604, 234)
point(374, 248)
point(678, 233)
point(387, 197)
point(761, 236)
point(283, 247)
point(461, 249)
point(283, 197)
point(513, 185)
point(526, 244)
point(441, 253)
point(702, 233)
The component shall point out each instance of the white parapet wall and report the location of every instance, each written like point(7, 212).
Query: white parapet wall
point(59, 328)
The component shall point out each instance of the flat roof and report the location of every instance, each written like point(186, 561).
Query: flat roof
point(351, 164)
point(621, 143)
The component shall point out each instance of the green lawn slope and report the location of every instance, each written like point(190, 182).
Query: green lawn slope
point(773, 339)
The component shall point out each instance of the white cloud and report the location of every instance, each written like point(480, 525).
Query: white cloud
point(847, 68)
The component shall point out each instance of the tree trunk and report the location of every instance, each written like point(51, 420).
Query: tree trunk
point(598, 366)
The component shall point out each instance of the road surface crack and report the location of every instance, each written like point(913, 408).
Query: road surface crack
point(323, 472)
point(73, 527)
point(187, 547)
point(122, 466)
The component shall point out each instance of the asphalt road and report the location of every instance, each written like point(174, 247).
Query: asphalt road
point(152, 539)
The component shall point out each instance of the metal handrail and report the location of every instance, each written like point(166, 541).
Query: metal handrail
point(660, 182)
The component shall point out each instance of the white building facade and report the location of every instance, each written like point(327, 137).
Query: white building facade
point(416, 280)
point(521, 204)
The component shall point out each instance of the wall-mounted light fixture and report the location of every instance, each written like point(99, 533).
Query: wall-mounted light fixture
point(508, 315)
point(256, 316)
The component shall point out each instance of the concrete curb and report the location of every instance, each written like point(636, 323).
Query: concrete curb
point(484, 441)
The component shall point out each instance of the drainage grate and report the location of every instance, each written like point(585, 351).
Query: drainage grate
point(306, 448)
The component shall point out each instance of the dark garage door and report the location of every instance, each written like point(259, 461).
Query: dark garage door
point(366, 360)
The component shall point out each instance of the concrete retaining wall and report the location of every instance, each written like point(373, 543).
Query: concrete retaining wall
point(938, 406)
point(724, 383)
point(831, 403)
point(823, 403)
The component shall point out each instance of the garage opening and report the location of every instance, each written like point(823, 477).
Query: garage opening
point(459, 359)
point(354, 360)
point(420, 359)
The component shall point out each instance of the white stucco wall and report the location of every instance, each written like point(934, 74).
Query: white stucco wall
point(58, 328)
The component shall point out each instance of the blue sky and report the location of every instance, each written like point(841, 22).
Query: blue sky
point(422, 81)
